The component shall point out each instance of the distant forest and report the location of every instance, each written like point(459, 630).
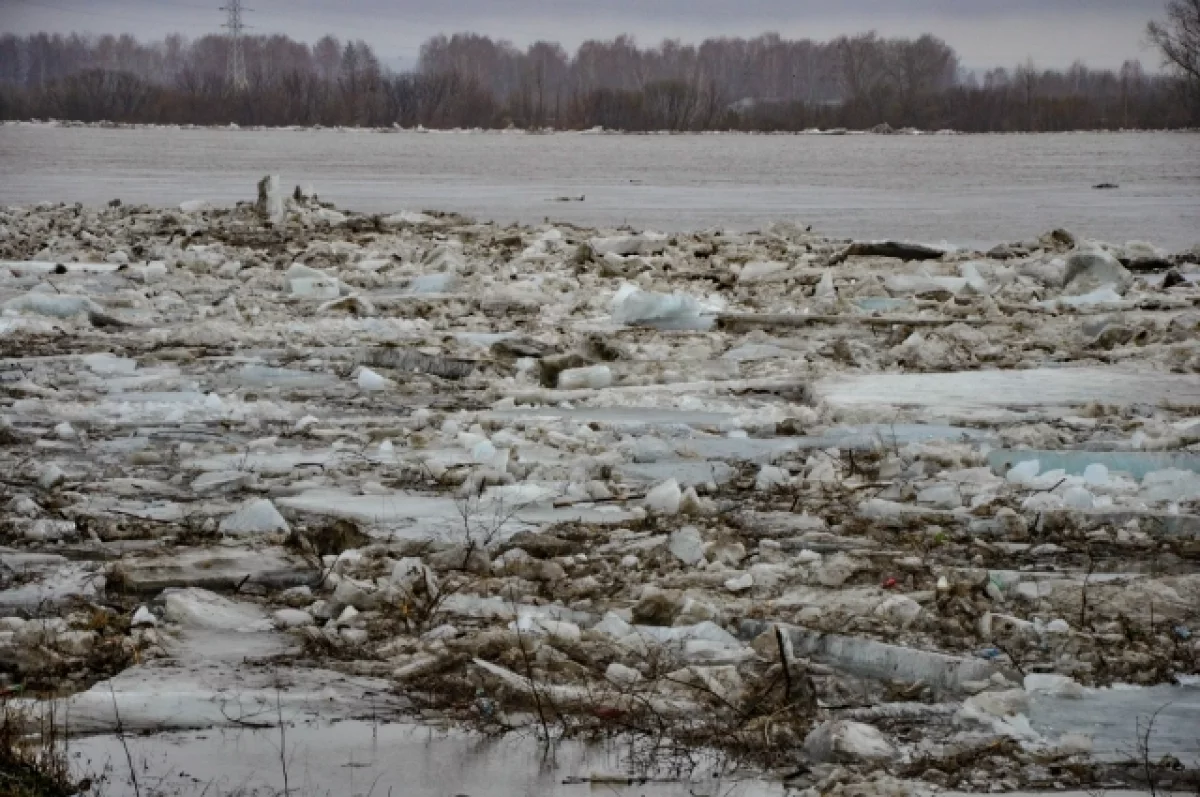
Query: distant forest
point(466, 81)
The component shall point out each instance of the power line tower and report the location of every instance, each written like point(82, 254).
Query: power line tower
point(236, 74)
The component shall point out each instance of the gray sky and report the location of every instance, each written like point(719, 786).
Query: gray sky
point(985, 32)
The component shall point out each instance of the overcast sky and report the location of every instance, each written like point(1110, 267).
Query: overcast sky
point(985, 32)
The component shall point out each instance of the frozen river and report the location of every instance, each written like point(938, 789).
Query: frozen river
point(966, 189)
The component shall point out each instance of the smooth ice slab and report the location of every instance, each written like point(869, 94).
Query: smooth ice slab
point(1033, 389)
point(617, 416)
point(268, 376)
point(167, 696)
point(870, 435)
point(421, 517)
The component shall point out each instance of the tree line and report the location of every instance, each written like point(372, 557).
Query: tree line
point(767, 83)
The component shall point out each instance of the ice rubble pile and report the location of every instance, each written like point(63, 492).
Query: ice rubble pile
point(645, 470)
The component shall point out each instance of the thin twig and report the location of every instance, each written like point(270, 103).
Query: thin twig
point(137, 791)
point(282, 741)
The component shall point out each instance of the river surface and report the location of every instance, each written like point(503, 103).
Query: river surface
point(962, 189)
point(357, 759)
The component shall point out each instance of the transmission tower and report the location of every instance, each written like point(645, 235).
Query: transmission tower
point(236, 74)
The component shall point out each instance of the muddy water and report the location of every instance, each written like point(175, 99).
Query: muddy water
point(970, 189)
point(354, 759)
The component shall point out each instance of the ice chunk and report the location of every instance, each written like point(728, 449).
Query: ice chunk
point(143, 617)
point(665, 498)
point(914, 285)
point(614, 626)
point(270, 204)
point(900, 610)
point(976, 284)
point(220, 480)
point(107, 364)
point(199, 609)
point(1078, 498)
point(330, 216)
point(1056, 685)
point(1143, 251)
point(369, 380)
point(752, 352)
point(1090, 268)
point(407, 217)
point(687, 546)
point(195, 206)
point(1024, 472)
point(50, 476)
point(53, 305)
point(883, 304)
point(1003, 712)
point(1171, 485)
point(292, 618)
point(434, 283)
point(486, 453)
point(1058, 626)
point(740, 583)
point(825, 289)
point(256, 517)
point(648, 243)
point(558, 630)
point(770, 477)
point(315, 287)
point(1096, 475)
point(621, 675)
point(945, 496)
point(1104, 295)
point(151, 272)
point(593, 377)
point(410, 573)
point(759, 271)
point(632, 305)
point(844, 741)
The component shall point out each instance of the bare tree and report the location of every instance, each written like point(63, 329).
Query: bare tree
point(469, 80)
point(1178, 38)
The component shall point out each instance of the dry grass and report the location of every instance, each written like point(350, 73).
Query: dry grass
point(33, 757)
